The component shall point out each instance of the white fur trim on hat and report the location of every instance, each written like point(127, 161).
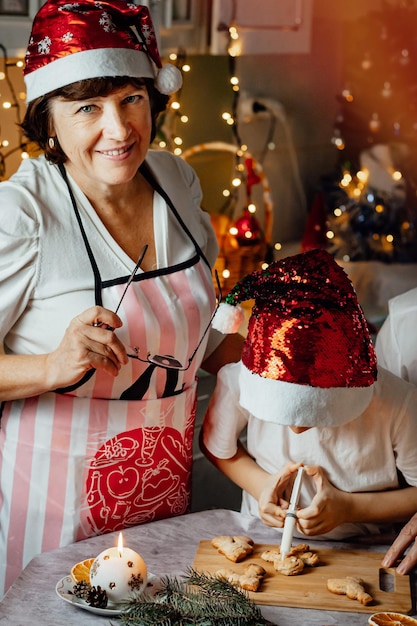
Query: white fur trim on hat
point(88, 64)
point(169, 79)
point(291, 404)
point(228, 318)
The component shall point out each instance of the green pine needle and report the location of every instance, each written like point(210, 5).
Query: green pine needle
point(198, 599)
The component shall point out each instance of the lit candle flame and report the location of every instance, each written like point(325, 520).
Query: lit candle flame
point(120, 545)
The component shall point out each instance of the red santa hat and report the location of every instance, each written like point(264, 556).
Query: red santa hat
point(72, 41)
point(308, 358)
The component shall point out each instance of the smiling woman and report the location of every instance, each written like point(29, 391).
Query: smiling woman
point(92, 441)
point(37, 115)
point(105, 140)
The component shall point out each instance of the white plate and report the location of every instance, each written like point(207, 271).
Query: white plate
point(64, 590)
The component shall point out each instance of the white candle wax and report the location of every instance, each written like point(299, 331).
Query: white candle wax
point(121, 572)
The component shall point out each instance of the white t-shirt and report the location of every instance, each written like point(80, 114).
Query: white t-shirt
point(396, 342)
point(362, 455)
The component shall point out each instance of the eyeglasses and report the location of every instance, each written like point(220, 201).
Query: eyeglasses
point(167, 361)
point(170, 362)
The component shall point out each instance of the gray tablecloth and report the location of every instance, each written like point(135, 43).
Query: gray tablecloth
point(168, 547)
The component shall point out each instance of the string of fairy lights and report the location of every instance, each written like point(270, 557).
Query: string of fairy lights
point(246, 229)
point(168, 135)
point(244, 234)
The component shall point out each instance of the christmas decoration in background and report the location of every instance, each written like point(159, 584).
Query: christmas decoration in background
point(243, 242)
point(369, 207)
point(247, 230)
point(244, 239)
point(243, 217)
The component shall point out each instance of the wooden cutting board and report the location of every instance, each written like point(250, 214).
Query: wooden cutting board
point(309, 589)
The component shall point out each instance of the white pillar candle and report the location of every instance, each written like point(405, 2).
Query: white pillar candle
point(120, 571)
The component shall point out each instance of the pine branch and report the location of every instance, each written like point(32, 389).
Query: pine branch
point(198, 599)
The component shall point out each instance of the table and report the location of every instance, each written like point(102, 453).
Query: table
point(168, 547)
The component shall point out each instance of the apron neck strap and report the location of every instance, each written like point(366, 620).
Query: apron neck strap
point(149, 176)
point(96, 271)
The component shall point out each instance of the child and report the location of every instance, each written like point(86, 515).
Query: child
point(307, 392)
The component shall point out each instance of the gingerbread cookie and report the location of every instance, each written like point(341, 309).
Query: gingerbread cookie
point(293, 564)
point(290, 566)
point(311, 559)
point(250, 580)
point(234, 548)
point(351, 587)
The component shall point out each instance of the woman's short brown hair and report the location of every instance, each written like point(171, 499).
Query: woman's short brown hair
point(37, 124)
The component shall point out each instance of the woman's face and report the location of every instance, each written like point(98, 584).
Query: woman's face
point(105, 138)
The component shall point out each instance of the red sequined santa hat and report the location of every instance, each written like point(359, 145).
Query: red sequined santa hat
point(72, 41)
point(308, 344)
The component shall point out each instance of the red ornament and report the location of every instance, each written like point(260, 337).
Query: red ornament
point(248, 230)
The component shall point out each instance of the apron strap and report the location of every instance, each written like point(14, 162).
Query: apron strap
point(97, 278)
point(148, 175)
point(96, 271)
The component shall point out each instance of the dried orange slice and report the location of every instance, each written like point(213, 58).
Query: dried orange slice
point(81, 571)
point(391, 619)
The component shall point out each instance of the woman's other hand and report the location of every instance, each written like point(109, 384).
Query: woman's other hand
point(407, 536)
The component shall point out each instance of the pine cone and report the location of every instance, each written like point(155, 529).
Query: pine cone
point(97, 597)
point(82, 589)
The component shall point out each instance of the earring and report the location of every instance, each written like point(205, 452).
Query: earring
point(51, 143)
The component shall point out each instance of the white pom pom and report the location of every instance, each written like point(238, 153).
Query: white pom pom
point(169, 79)
point(228, 318)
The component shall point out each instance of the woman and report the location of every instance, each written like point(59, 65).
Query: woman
point(98, 376)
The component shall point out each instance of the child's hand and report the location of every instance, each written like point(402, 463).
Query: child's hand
point(327, 509)
point(271, 503)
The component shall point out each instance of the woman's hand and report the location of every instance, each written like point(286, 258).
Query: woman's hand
point(407, 536)
point(327, 509)
point(271, 503)
point(89, 343)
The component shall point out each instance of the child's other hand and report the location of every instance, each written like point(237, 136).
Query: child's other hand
point(271, 503)
point(327, 509)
